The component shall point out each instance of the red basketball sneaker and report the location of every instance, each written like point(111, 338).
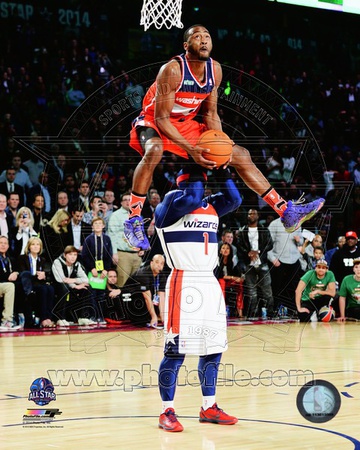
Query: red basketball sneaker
point(216, 415)
point(169, 422)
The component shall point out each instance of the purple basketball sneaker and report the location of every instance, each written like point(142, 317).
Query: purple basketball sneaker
point(296, 213)
point(135, 234)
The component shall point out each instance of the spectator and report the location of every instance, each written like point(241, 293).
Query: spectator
point(307, 250)
point(22, 232)
point(42, 188)
point(315, 289)
point(13, 207)
point(41, 218)
point(96, 256)
point(77, 229)
point(84, 191)
point(34, 165)
point(121, 187)
point(285, 266)
point(97, 185)
point(60, 168)
point(76, 301)
point(109, 199)
point(35, 280)
point(98, 208)
point(342, 260)
point(318, 254)
point(127, 260)
point(81, 174)
point(21, 177)
point(7, 287)
point(152, 279)
point(227, 236)
point(97, 250)
point(9, 186)
point(275, 166)
point(73, 95)
point(5, 219)
point(349, 294)
point(55, 235)
point(70, 188)
point(312, 195)
point(254, 243)
point(289, 163)
point(229, 277)
point(330, 253)
point(112, 305)
point(62, 201)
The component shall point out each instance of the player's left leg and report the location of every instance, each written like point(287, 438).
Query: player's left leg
point(208, 369)
point(292, 213)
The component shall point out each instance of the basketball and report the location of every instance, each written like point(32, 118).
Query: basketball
point(326, 314)
point(219, 144)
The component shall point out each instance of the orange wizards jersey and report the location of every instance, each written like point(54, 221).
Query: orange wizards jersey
point(189, 96)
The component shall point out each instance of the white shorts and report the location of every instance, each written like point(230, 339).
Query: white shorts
point(195, 314)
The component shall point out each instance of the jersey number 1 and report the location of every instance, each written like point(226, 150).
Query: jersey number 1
point(206, 243)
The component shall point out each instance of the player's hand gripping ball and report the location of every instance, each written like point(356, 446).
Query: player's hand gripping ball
point(219, 144)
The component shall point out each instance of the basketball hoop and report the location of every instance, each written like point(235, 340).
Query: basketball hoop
point(161, 13)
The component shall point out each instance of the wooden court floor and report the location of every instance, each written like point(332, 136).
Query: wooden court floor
point(105, 385)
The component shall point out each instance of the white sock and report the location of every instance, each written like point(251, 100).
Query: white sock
point(166, 405)
point(208, 401)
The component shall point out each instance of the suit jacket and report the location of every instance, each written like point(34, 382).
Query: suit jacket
point(16, 244)
point(10, 224)
point(86, 230)
point(54, 243)
point(41, 265)
point(40, 220)
point(8, 266)
point(17, 189)
point(243, 243)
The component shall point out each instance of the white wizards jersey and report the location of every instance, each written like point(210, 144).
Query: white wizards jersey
point(191, 243)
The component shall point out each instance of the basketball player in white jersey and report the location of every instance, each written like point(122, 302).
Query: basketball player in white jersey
point(195, 313)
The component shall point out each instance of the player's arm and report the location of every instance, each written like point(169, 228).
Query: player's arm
point(167, 82)
point(209, 108)
point(178, 203)
point(229, 198)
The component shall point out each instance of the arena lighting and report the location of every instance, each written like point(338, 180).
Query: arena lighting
point(348, 6)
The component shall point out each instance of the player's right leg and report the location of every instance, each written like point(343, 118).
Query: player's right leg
point(152, 146)
point(168, 373)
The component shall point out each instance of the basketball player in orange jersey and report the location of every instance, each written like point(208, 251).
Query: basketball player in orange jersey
point(184, 86)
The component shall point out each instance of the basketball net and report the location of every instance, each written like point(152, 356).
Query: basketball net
point(161, 13)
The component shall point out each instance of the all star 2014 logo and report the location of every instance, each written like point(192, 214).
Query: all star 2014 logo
point(42, 391)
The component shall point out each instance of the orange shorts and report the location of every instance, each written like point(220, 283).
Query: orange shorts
point(190, 129)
